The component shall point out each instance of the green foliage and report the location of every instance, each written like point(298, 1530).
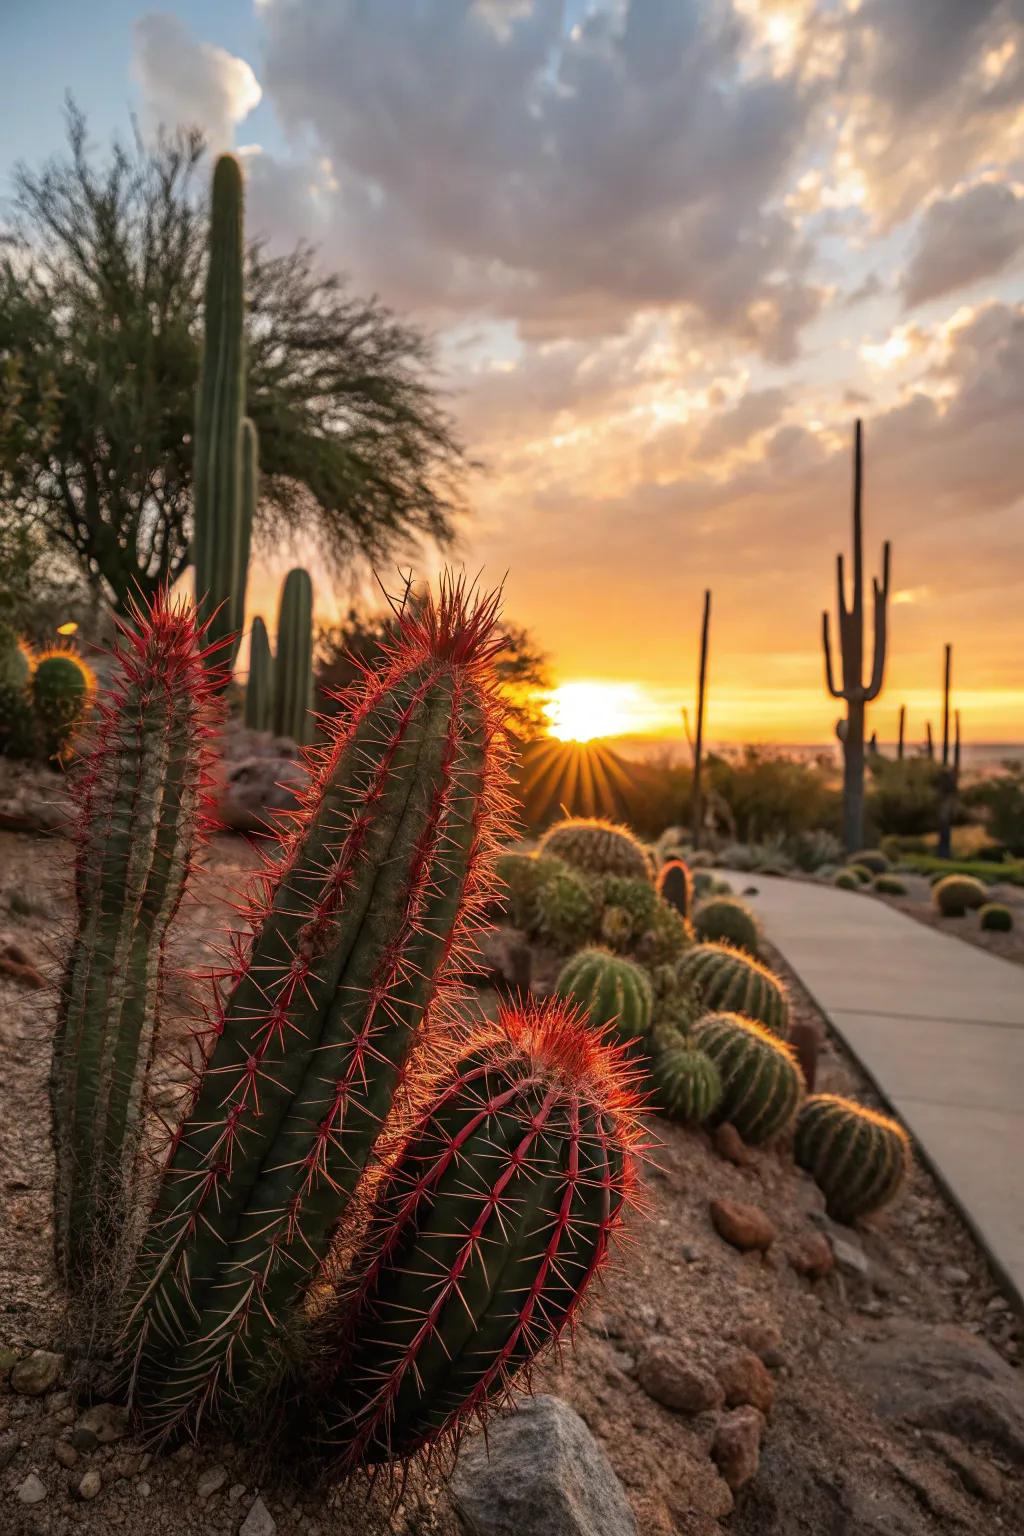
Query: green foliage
point(762, 1086)
point(61, 689)
point(613, 991)
point(1001, 799)
point(764, 791)
point(597, 847)
point(565, 907)
point(957, 894)
point(995, 917)
point(686, 1084)
point(722, 919)
point(729, 980)
point(259, 689)
point(293, 669)
point(903, 796)
point(859, 1159)
point(846, 880)
point(977, 869)
point(889, 885)
point(871, 859)
point(674, 885)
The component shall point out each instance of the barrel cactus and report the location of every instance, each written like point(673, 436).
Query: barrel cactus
point(496, 1215)
point(686, 1083)
point(730, 980)
point(721, 919)
point(62, 686)
point(858, 1158)
point(762, 1085)
point(845, 880)
point(871, 859)
point(955, 895)
point(889, 885)
point(861, 873)
point(675, 886)
point(995, 918)
point(293, 670)
point(642, 923)
point(259, 690)
point(597, 848)
point(612, 990)
point(564, 906)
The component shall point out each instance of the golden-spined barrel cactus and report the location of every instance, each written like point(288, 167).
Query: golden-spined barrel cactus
point(597, 848)
point(859, 1158)
point(762, 1085)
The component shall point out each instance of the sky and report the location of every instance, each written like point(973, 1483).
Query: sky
point(669, 250)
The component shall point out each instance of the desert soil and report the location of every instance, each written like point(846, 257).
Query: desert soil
point(829, 1464)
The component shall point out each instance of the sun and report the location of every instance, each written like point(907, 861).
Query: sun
point(586, 711)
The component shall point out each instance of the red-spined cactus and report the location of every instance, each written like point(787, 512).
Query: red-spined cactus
point(362, 923)
point(141, 817)
point(493, 1220)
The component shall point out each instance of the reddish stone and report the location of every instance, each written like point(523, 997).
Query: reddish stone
point(812, 1256)
point(736, 1449)
point(745, 1380)
point(744, 1226)
point(728, 1143)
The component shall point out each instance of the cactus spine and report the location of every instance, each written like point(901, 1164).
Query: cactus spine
point(687, 1085)
point(259, 690)
point(613, 991)
point(859, 1159)
point(730, 981)
point(360, 925)
point(854, 689)
point(293, 671)
point(762, 1085)
point(495, 1217)
point(141, 817)
point(225, 447)
point(676, 887)
point(723, 920)
point(597, 847)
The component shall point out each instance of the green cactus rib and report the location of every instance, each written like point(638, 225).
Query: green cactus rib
point(597, 847)
point(259, 690)
point(687, 1085)
point(495, 1218)
point(731, 981)
point(676, 887)
point(762, 1085)
point(613, 991)
point(361, 926)
point(293, 670)
point(860, 1159)
point(220, 545)
point(141, 817)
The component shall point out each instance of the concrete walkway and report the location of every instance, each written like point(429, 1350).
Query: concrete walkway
point(938, 1025)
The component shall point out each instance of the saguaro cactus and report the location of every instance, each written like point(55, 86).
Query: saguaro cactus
point(224, 484)
point(293, 671)
point(697, 806)
point(259, 690)
point(141, 817)
point(362, 924)
point(854, 689)
point(949, 778)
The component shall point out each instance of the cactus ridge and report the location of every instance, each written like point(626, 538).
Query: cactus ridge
point(597, 847)
point(495, 1217)
point(612, 989)
point(859, 1157)
point(762, 1085)
point(359, 926)
point(142, 805)
point(675, 886)
point(730, 980)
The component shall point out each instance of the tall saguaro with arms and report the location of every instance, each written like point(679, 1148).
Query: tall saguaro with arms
point(854, 689)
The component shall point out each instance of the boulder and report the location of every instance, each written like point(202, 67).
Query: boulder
point(744, 1226)
point(745, 1380)
point(668, 1376)
point(252, 788)
point(36, 1373)
point(539, 1473)
point(736, 1448)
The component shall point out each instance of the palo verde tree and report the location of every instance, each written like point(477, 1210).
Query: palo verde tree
point(854, 689)
point(101, 298)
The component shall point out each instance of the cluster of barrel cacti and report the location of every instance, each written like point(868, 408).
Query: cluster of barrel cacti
point(473, 1174)
point(44, 699)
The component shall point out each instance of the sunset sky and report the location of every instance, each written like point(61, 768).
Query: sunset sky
point(670, 249)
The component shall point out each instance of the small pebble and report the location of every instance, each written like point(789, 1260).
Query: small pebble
point(65, 1453)
point(90, 1485)
point(32, 1491)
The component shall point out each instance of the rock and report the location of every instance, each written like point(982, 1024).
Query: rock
point(765, 1340)
point(8, 1360)
point(15, 964)
point(255, 787)
point(805, 1038)
point(736, 1448)
point(259, 1521)
point(211, 1481)
point(690, 1253)
point(235, 1492)
point(978, 1476)
point(65, 1453)
point(744, 1226)
point(107, 1421)
point(954, 1275)
point(670, 1377)
point(797, 1491)
point(745, 1380)
point(545, 1475)
point(728, 1143)
point(942, 1378)
point(506, 960)
point(812, 1256)
point(31, 1491)
point(36, 1373)
point(90, 1484)
point(847, 1248)
point(83, 1439)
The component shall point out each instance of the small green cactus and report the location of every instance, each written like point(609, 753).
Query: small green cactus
point(650, 929)
point(860, 873)
point(958, 894)
point(676, 886)
point(613, 991)
point(62, 687)
point(597, 847)
point(762, 1085)
point(703, 882)
point(889, 885)
point(995, 918)
point(858, 1158)
point(293, 670)
point(846, 880)
point(686, 1084)
point(731, 981)
point(722, 919)
point(871, 859)
point(259, 690)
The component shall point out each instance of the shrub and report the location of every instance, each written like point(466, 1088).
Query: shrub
point(723, 919)
point(958, 894)
point(858, 1158)
point(889, 885)
point(861, 873)
point(995, 918)
point(812, 849)
point(903, 797)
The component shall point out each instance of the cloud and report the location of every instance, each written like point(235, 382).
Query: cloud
point(972, 234)
point(190, 83)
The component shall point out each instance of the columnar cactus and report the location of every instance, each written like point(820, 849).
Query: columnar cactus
point(360, 927)
point(859, 1159)
point(224, 471)
point(597, 848)
point(724, 920)
point(293, 670)
point(732, 981)
point(613, 991)
point(259, 690)
point(955, 895)
point(141, 815)
point(61, 688)
point(686, 1083)
point(762, 1085)
point(495, 1217)
point(676, 887)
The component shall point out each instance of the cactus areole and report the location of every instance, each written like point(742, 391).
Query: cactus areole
point(361, 923)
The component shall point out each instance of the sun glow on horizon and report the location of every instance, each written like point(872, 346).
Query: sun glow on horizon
point(587, 711)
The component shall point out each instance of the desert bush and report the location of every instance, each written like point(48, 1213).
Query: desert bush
point(903, 796)
point(871, 859)
point(846, 880)
point(861, 873)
